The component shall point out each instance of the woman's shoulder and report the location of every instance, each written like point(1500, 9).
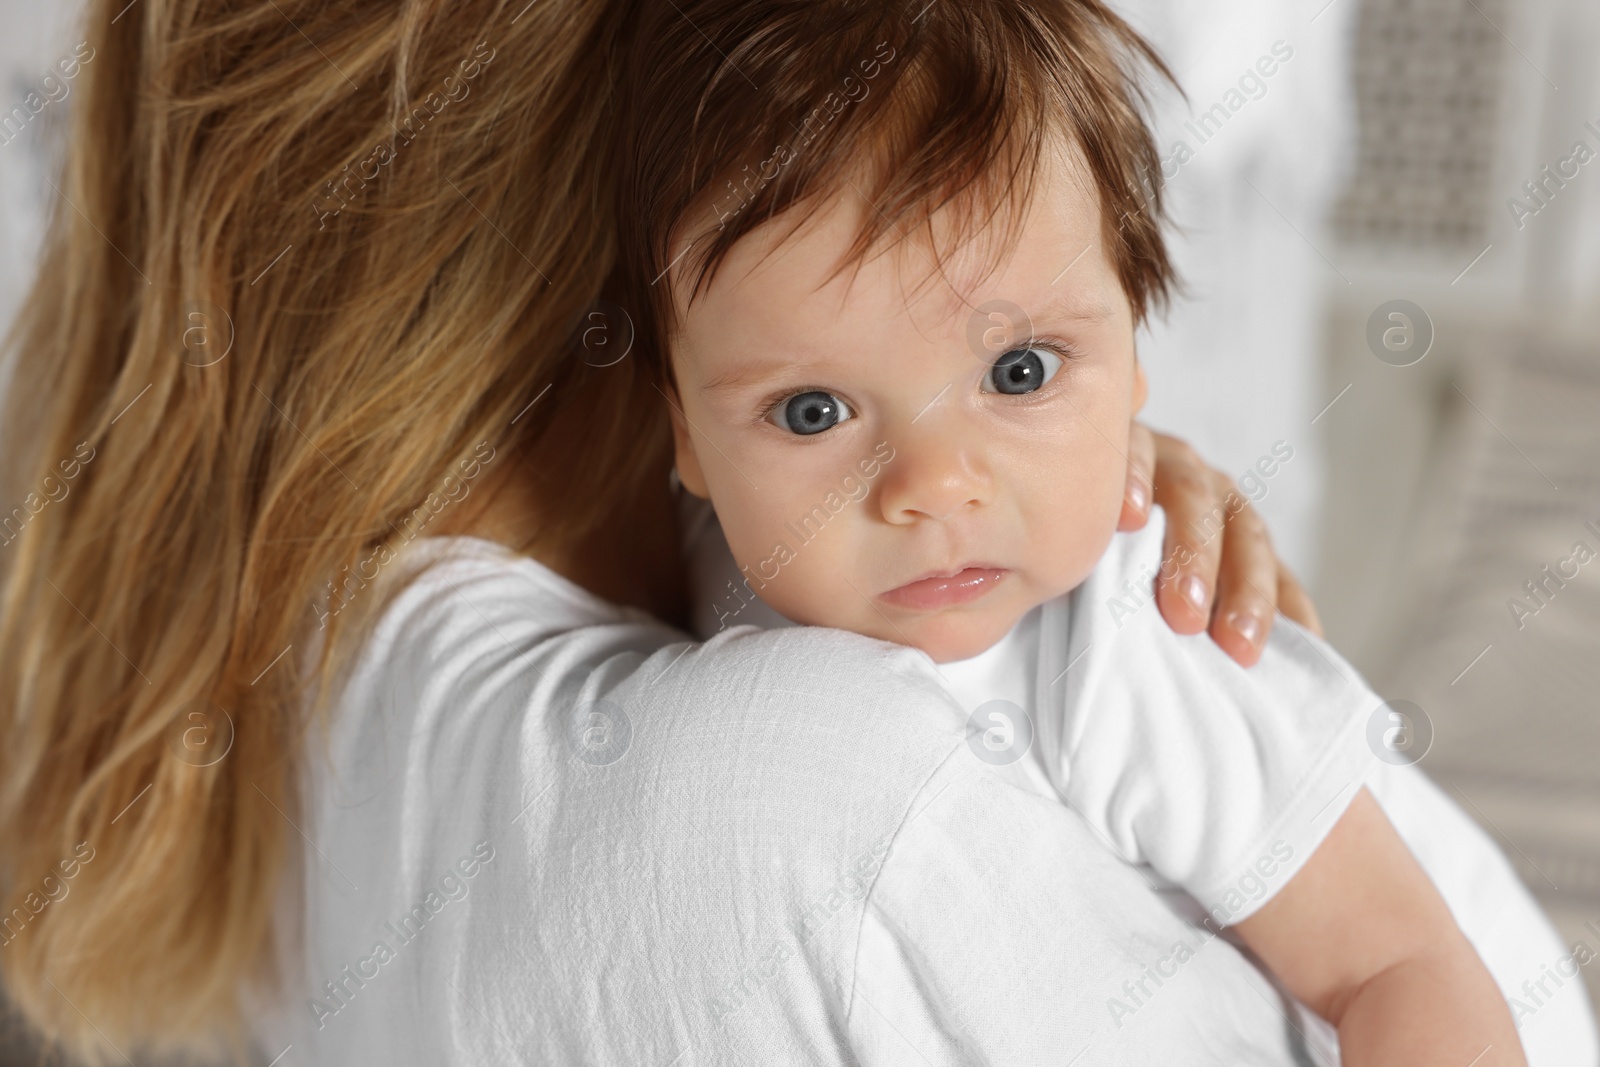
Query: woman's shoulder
point(506, 653)
point(676, 807)
point(473, 607)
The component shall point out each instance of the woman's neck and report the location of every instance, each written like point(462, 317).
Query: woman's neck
point(632, 559)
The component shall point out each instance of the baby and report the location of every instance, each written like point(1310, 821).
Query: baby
point(899, 357)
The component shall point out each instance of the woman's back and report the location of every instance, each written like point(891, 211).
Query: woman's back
point(553, 830)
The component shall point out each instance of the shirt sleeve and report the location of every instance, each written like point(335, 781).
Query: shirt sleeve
point(1222, 779)
point(999, 930)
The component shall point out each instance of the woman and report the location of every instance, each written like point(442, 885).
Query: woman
point(305, 297)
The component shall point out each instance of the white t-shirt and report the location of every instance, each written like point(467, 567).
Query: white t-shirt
point(1215, 781)
point(549, 830)
point(1218, 781)
point(1161, 742)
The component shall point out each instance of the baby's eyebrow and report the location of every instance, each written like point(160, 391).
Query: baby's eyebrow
point(749, 374)
point(1061, 308)
point(1072, 307)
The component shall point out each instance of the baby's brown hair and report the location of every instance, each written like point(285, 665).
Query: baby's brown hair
point(745, 108)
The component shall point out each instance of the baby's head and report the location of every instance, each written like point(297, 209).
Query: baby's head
point(890, 264)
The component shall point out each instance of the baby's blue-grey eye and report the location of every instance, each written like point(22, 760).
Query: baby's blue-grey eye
point(813, 412)
point(1021, 370)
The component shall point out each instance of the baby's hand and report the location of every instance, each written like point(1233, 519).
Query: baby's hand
point(1361, 936)
point(1238, 566)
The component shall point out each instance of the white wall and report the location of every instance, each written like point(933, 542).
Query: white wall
point(1236, 365)
point(36, 36)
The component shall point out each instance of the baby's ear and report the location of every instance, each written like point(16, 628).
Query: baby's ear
point(686, 462)
point(1141, 385)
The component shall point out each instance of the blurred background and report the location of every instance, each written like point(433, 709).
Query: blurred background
point(1393, 254)
point(1389, 225)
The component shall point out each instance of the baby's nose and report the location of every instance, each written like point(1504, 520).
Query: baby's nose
point(934, 475)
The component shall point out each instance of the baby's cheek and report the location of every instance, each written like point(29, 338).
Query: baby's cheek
point(1071, 527)
point(814, 587)
point(792, 576)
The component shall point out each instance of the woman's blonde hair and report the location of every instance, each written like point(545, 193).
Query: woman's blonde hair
point(307, 269)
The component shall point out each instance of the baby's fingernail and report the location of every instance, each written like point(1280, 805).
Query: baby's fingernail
point(1246, 626)
point(1138, 495)
point(1194, 591)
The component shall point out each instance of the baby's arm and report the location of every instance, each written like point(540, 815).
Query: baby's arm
point(1362, 937)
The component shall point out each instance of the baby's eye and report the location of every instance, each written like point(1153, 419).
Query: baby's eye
point(1021, 370)
point(809, 413)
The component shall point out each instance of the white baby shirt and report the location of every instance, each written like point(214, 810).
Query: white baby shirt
point(1216, 781)
point(544, 829)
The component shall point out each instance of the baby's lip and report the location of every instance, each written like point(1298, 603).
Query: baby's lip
point(946, 588)
point(951, 572)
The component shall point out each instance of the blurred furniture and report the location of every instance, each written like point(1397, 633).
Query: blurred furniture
point(1458, 480)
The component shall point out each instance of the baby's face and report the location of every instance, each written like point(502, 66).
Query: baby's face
point(896, 461)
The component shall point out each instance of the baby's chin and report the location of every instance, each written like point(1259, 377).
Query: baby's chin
point(952, 636)
point(956, 634)
point(945, 636)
